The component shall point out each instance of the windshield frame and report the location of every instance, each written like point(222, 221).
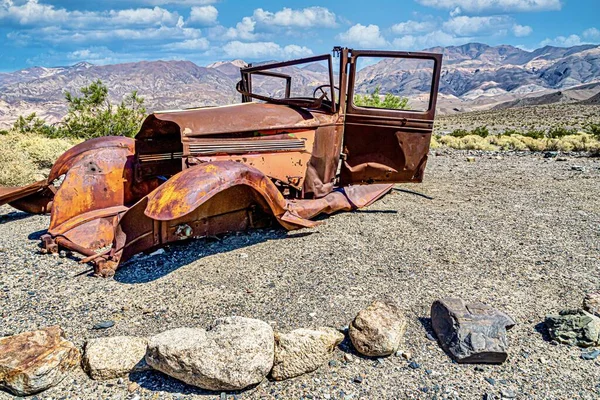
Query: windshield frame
point(246, 82)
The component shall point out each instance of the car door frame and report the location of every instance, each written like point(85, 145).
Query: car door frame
point(412, 130)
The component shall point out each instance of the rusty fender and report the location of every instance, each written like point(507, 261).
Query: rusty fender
point(37, 197)
point(205, 200)
point(216, 198)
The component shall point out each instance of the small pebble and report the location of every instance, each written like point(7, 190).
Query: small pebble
point(414, 365)
point(508, 394)
point(132, 387)
point(491, 381)
point(333, 363)
point(431, 337)
point(223, 396)
point(592, 355)
point(348, 357)
point(407, 355)
point(479, 369)
point(104, 325)
point(358, 379)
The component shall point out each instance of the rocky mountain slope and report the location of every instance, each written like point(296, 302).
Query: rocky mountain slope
point(474, 77)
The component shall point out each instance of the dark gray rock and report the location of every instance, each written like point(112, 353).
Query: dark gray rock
point(471, 332)
point(575, 328)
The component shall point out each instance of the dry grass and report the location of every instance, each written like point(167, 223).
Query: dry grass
point(26, 159)
point(582, 142)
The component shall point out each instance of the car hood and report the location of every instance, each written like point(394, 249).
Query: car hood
point(245, 117)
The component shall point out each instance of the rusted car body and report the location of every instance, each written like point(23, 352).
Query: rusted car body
point(207, 171)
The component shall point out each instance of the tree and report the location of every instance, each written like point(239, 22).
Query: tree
point(374, 100)
point(90, 115)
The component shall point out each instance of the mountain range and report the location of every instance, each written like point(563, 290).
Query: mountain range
point(474, 77)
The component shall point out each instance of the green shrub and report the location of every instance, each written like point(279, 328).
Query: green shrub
point(481, 131)
point(560, 131)
point(374, 100)
point(459, 133)
point(535, 134)
point(90, 115)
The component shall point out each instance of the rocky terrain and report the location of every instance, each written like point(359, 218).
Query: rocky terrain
point(474, 77)
point(516, 231)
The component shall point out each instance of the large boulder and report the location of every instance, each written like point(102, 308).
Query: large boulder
point(575, 328)
point(378, 330)
point(303, 350)
point(113, 357)
point(235, 353)
point(32, 362)
point(471, 332)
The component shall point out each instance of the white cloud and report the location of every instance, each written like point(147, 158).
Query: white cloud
point(206, 15)
point(33, 13)
point(190, 44)
point(471, 26)
point(456, 12)
point(432, 39)
point(522, 30)
point(262, 50)
point(563, 41)
point(592, 34)
point(306, 17)
point(177, 2)
point(363, 36)
point(490, 5)
point(412, 27)
point(243, 30)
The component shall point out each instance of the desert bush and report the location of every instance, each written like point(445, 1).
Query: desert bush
point(508, 143)
point(535, 134)
point(89, 115)
point(593, 129)
point(531, 143)
point(27, 158)
point(374, 100)
point(434, 144)
point(559, 132)
point(459, 133)
point(481, 131)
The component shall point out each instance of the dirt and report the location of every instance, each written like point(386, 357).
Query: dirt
point(517, 231)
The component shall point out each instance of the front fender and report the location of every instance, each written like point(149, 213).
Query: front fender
point(189, 189)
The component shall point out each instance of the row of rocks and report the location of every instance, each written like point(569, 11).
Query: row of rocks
point(236, 352)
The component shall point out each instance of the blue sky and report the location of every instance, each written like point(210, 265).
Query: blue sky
point(64, 32)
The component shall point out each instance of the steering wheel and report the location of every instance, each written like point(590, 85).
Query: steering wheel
point(322, 89)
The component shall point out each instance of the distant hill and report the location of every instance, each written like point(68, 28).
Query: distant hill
point(474, 77)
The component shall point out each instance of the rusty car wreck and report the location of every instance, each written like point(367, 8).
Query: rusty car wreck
point(208, 171)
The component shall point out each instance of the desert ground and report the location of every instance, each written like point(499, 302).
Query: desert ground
point(515, 230)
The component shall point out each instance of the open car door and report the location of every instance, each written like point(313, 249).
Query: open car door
point(385, 138)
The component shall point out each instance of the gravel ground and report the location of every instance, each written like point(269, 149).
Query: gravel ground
point(519, 232)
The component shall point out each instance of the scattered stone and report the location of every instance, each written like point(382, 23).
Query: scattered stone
point(562, 159)
point(471, 159)
point(378, 329)
point(223, 396)
point(112, 357)
point(32, 362)
point(407, 355)
point(491, 381)
point(471, 332)
point(104, 325)
point(591, 303)
point(508, 394)
point(302, 351)
point(358, 379)
point(333, 363)
point(479, 369)
point(551, 154)
point(132, 387)
point(235, 353)
point(577, 168)
point(348, 358)
point(414, 365)
point(575, 328)
point(592, 355)
point(431, 337)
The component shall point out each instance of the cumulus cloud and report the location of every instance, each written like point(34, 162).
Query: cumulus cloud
point(432, 39)
point(190, 44)
point(177, 2)
point(304, 18)
point(363, 36)
point(206, 15)
point(262, 50)
point(412, 27)
point(522, 30)
point(494, 5)
point(592, 34)
point(563, 41)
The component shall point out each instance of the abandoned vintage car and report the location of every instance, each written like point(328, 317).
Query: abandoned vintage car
point(291, 150)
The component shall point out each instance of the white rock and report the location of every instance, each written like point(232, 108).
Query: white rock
point(303, 350)
point(235, 353)
point(113, 357)
point(378, 329)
